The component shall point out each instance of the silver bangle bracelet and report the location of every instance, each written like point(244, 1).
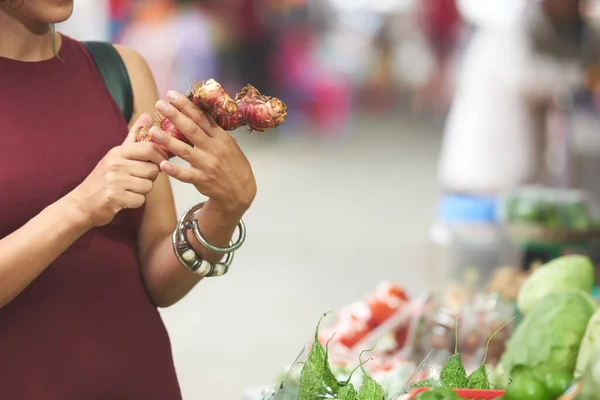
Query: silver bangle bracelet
point(189, 259)
point(190, 222)
point(187, 256)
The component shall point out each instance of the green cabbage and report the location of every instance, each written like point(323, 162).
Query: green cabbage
point(589, 342)
point(565, 273)
point(549, 337)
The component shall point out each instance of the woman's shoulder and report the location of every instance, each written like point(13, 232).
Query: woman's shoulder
point(143, 84)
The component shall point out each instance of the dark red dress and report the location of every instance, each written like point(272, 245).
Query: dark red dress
point(86, 328)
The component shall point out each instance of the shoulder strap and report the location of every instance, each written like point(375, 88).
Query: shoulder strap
point(114, 73)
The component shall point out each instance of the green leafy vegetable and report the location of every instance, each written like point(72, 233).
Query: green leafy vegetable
point(453, 374)
point(347, 393)
point(548, 338)
point(566, 273)
point(442, 393)
point(369, 388)
point(311, 386)
point(426, 383)
point(316, 378)
point(479, 378)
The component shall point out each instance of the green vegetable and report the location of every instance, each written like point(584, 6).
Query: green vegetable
point(312, 386)
point(479, 378)
point(319, 356)
point(557, 382)
point(566, 273)
point(526, 387)
point(369, 388)
point(347, 393)
point(590, 339)
point(548, 338)
point(426, 383)
point(453, 374)
point(442, 393)
point(429, 395)
point(316, 379)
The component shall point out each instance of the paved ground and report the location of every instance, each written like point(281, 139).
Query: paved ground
point(332, 219)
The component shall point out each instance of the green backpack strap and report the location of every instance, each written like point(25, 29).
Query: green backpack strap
point(114, 73)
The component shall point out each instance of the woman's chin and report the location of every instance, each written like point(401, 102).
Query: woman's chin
point(60, 15)
point(48, 11)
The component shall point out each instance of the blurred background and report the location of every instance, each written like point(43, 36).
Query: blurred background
point(410, 124)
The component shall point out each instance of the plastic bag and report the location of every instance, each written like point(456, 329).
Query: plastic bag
point(429, 369)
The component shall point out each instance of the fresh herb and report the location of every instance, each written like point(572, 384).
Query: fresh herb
point(347, 393)
point(369, 388)
point(316, 378)
point(426, 383)
point(453, 374)
point(311, 385)
point(442, 393)
point(479, 378)
point(317, 381)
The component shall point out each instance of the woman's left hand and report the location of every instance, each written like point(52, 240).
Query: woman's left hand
point(218, 167)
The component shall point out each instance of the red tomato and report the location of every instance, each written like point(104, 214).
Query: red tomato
point(350, 334)
point(391, 291)
point(380, 311)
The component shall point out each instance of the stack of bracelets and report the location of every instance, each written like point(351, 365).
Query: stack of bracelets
point(188, 257)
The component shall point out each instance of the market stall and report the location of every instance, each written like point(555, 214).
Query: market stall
point(532, 338)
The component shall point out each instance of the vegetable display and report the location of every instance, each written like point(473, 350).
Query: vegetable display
point(249, 108)
point(317, 380)
point(551, 208)
point(551, 353)
point(572, 272)
point(549, 337)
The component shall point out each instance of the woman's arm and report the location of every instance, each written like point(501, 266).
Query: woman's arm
point(29, 250)
point(120, 180)
point(164, 277)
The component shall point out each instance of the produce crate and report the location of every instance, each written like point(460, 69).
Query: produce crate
point(467, 394)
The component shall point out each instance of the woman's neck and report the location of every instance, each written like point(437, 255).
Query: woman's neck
point(24, 40)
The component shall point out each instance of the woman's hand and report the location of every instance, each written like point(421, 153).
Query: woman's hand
point(122, 179)
point(218, 167)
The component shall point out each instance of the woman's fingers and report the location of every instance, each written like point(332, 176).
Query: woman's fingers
point(142, 169)
point(193, 112)
point(143, 120)
point(143, 151)
point(139, 185)
point(131, 200)
point(175, 146)
point(188, 128)
point(187, 175)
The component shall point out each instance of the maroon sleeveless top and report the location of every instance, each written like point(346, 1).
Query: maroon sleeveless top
point(85, 328)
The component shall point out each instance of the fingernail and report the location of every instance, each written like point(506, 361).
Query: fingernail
point(157, 134)
point(162, 106)
point(166, 167)
point(172, 95)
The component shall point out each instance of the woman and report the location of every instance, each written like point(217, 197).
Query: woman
point(495, 135)
point(87, 216)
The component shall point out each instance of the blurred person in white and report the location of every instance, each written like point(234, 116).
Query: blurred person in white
point(175, 37)
point(90, 21)
point(495, 135)
point(441, 23)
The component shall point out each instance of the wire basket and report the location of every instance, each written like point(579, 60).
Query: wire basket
point(467, 394)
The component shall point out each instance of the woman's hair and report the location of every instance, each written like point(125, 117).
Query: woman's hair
point(53, 40)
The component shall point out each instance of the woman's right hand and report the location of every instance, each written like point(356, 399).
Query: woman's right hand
point(122, 179)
